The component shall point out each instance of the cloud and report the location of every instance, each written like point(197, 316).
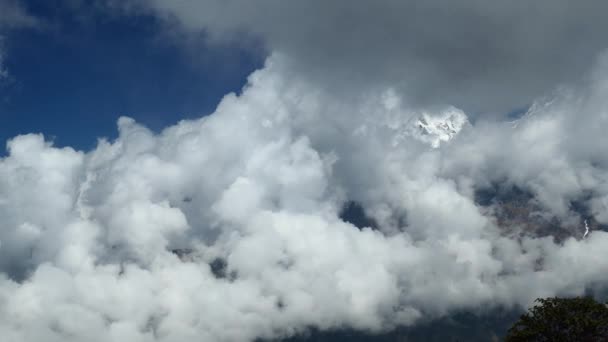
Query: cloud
point(13, 15)
point(3, 72)
point(229, 227)
point(118, 243)
point(554, 150)
point(476, 55)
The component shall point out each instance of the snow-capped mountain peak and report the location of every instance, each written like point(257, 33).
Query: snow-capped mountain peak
point(438, 127)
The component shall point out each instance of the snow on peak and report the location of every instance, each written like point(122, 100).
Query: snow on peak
point(436, 128)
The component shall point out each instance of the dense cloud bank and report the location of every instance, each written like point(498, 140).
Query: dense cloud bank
point(118, 244)
point(232, 227)
point(481, 56)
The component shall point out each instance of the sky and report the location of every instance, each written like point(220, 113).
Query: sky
point(78, 70)
point(271, 170)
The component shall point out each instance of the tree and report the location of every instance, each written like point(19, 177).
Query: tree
point(562, 319)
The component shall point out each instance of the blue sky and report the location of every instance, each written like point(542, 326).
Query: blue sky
point(76, 73)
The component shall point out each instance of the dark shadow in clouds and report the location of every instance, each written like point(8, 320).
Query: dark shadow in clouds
point(481, 56)
point(354, 213)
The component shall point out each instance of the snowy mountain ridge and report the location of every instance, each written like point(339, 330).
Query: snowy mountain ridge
point(435, 129)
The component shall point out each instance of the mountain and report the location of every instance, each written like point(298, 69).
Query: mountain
point(435, 129)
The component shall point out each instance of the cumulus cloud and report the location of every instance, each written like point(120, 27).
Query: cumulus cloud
point(554, 150)
point(228, 228)
point(477, 55)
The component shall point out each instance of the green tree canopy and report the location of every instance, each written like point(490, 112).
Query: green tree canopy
point(562, 319)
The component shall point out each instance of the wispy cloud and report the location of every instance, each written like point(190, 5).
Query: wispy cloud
point(13, 15)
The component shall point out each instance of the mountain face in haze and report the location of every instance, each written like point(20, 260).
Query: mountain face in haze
point(517, 212)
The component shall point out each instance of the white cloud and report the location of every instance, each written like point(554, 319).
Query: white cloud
point(86, 238)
